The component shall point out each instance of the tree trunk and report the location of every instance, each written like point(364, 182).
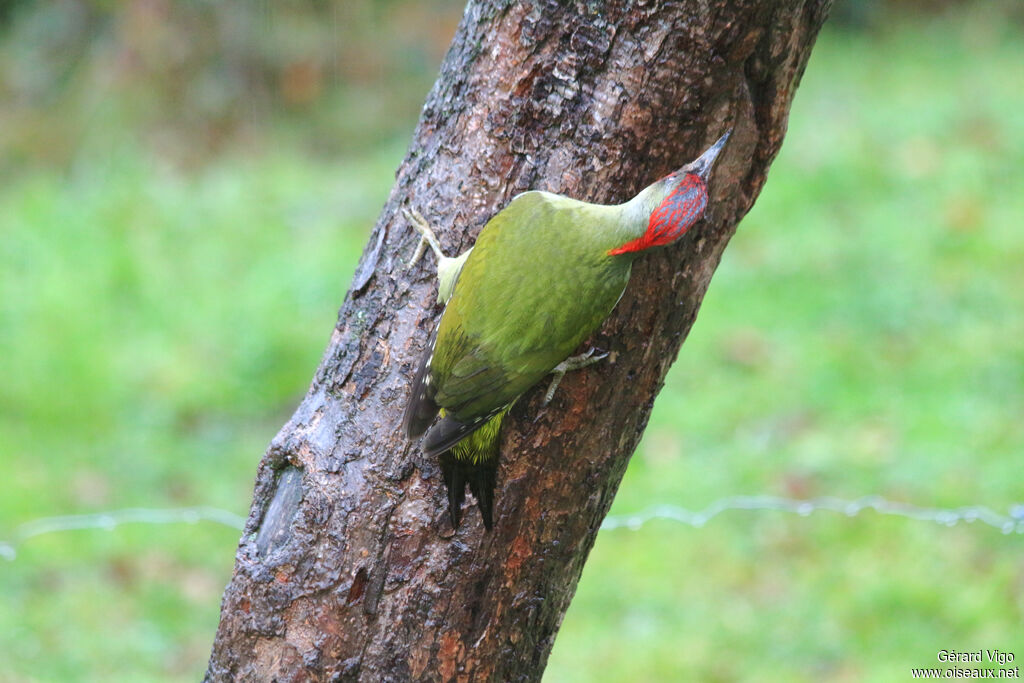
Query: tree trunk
point(348, 568)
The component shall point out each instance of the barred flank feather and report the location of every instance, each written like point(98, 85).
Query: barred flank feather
point(421, 409)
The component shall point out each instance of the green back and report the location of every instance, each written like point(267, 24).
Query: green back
point(538, 282)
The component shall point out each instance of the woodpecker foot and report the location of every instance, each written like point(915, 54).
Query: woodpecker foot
point(448, 269)
point(427, 236)
point(567, 365)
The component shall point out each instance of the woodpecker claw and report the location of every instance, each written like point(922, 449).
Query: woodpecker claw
point(569, 364)
point(427, 236)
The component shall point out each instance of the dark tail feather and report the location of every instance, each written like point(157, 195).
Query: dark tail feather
point(455, 482)
point(481, 477)
point(482, 480)
point(468, 455)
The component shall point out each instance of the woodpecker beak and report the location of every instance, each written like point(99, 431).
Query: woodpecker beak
point(702, 165)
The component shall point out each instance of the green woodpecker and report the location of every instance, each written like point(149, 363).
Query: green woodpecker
point(543, 275)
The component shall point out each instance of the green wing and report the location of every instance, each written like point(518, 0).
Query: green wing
point(535, 286)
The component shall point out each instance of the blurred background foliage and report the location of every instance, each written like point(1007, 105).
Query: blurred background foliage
point(185, 188)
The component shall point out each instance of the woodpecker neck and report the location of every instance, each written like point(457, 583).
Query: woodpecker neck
point(637, 227)
point(637, 211)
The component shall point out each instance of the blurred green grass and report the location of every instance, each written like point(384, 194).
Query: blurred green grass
point(159, 320)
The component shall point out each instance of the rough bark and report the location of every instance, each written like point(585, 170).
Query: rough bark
point(348, 568)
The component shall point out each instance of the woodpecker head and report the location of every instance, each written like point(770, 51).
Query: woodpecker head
point(683, 197)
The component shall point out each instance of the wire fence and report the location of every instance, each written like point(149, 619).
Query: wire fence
point(114, 518)
point(1010, 522)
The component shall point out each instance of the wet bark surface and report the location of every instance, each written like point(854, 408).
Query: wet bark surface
point(348, 568)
